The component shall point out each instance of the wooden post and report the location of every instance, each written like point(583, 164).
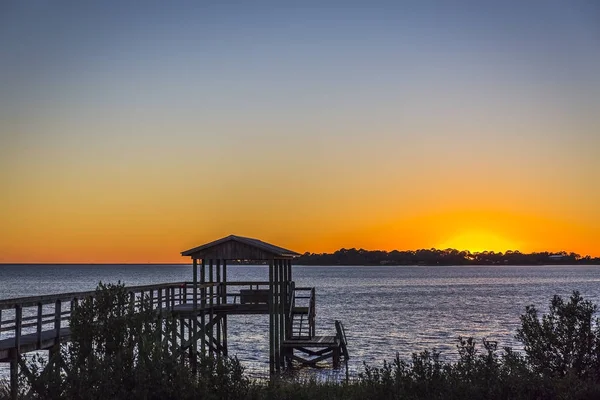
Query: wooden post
point(224, 281)
point(194, 345)
point(160, 299)
point(39, 325)
point(219, 281)
point(167, 298)
point(203, 313)
point(271, 321)
point(313, 311)
point(57, 311)
point(14, 376)
point(211, 292)
point(211, 281)
point(276, 313)
point(281, 311)
point(225, 351)
point(336, 357)
point(202, 282)
point(195, 261)
point(14, 362)
point(219, 288)
point(290, 294)
point(181, 338)
point(159, 304)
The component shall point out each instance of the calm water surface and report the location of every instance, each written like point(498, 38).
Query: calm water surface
point(384, 309)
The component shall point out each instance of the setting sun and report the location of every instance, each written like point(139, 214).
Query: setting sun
point(478, 241)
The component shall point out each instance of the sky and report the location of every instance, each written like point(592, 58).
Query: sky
point(130, 132)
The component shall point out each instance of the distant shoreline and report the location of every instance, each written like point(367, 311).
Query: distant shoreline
point(305, 265)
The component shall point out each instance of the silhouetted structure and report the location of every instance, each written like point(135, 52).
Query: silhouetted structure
point(200, 309)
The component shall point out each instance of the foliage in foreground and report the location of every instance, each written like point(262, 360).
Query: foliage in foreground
point(115, 354)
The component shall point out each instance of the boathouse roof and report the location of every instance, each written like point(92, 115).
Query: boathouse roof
point(235, 247)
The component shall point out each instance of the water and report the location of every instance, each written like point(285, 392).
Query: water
point(384, 309)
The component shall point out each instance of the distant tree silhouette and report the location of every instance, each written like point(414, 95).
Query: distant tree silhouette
point(443, 257)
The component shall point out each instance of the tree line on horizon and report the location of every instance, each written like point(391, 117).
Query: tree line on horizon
point(443, 257)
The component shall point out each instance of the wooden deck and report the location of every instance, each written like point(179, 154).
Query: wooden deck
point(42, 322)
point(33, 342)
point(191, 316)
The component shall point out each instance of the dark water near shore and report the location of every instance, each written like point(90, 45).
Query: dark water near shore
point(384, 309)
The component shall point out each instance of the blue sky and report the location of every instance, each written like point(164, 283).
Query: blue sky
point(334, 98)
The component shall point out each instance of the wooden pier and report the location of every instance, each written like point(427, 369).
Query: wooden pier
point(201, 308)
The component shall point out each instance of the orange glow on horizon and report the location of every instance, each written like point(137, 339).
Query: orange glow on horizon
point(477, 241)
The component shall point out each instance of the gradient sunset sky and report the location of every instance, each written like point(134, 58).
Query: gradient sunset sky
point(130, 132)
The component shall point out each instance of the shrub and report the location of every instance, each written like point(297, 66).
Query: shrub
point(564, 341)
point(116, 352)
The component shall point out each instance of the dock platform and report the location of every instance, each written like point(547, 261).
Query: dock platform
point(199, 307)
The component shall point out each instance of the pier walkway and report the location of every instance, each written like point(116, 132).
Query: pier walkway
point(199, 307)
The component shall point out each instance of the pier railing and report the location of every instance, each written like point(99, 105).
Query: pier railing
point(305, 303)
point(36, 316)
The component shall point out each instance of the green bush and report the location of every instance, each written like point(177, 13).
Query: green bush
point(564, 341)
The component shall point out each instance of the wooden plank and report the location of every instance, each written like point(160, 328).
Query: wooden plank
point(315, 341)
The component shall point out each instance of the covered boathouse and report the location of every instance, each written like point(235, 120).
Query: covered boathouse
point(291, 309)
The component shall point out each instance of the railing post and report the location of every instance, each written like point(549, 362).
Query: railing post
point(18, 321)
point(313, 311)
point(74, 303)
point(195, 283)
point(39, 325)
point(14, 362)
point(159, 300)
point(57, 311)
point(272, 343)
point(224, 301)
point(160, 316)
